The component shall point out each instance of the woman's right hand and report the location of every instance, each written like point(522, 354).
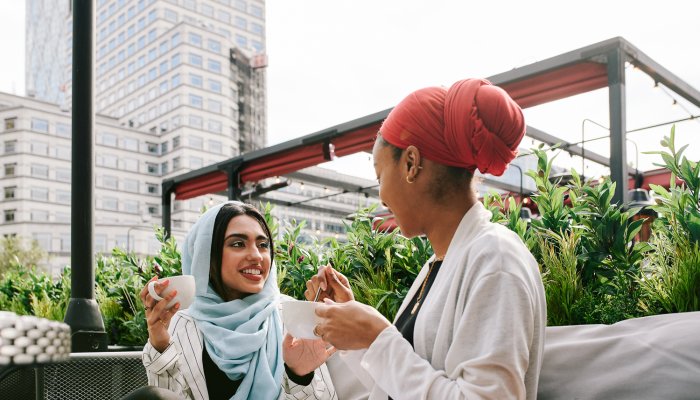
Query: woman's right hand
point(157, 315)
point(333, 284)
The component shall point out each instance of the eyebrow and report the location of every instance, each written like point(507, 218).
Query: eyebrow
point(244, 236)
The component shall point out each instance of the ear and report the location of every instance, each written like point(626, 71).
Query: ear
point(412, 158)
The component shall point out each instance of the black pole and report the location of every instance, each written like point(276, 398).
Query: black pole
point(83, 314)
point(166, 203)
point(618, 125)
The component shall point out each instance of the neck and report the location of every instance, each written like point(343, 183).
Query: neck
point(444, 225)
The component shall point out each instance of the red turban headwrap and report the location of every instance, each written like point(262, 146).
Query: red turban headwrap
point(472, 125)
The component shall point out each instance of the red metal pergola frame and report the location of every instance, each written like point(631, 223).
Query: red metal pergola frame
point(579, 71)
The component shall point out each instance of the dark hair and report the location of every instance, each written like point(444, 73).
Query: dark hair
point(223, 217)
point(449, 177)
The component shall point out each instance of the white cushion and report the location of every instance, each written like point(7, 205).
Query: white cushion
point(655, 357)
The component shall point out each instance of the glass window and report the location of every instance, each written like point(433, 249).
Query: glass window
point(40, 194)
point(100, 243)
point(164, 168)
point(152, 188)
point(216, 127)
point(241, 41)
point(241, 23)
point(195, 39)
point(195, 121)
point(110, 182)
point(163, 67)
point(152, 168)
point(43, 239)
point(175, 81)
point(196, 162)
point(130, 185)
point(63, 152)
point(196, 142)
point(214, 86)
point(195, 60)
point(130, 164)
point(10, 192)
point(214, 105)
point(39, 148)
point(214, 145)
point(109, 160)
point(10, 169)
point(256, 28)
point(196, 101)
point(175, 40)
point(110, 203)
point(131, 206)
point(40, 170)
point(170, 15)
point(10, 123)
point(176, 163)
point(175, 60)
point(207, 10)
point(63, 174)
point(10, 215)
point(40, 125)
point(240, 5)
point(163, 87)
point(10, 146)
point(223, 16)
point(176, 142)
point(109, 139)
point(214, 65)
point(63, 196)
point(214, 45)
point(196, 80)
point(130, 144)
point(256, 11)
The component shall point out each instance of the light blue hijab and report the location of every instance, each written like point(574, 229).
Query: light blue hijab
point(243, 337)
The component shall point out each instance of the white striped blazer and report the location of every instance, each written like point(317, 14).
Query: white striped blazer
point(179, 367)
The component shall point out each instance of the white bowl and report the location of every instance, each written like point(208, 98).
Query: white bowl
point(299, 318)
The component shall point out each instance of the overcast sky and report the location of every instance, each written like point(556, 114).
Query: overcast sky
point(331, 61)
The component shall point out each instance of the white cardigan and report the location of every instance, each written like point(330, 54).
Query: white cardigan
point(179, 367)
point(479, 334)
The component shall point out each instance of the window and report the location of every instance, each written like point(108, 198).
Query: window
point(65, 242)
point(100, 243)
point(164, 148)
point(10, 169)
point(175, 40)
point(152, 73)
point(40, 125)
point(164, 168)
point(214, 45)
point(63, 174)
point(170, 15)
point(131, 206)
point(110, 182)
point(63, 152)
point(195, 60)
point(196, 162)
point(240, 5)
point(40, 170)
point(214, 106)
point(207, 10)
point(153, 209)
point(214, 145)
point(152, 188)
point(242, 41)
point(256, 28)
point(39, 194)
point(241, 23)
point(163, 87)
point(223, 16)
point(39, 215)
point(10, 146)
point(130, 164)
point(152, 148)
point(214, 65)
point(196, 142)
point(196, 80)
point(10, 215)
point(163, 68)
point(10, 192)
point(152, 168)
point(130, 185)
point(130, 144)
point(10, 123)
point(214, 86)
point(43, 239)
point(39, 148)
point(195, 39)
point(196, 121)
point(63, 130)
point(216, 127)
point(176, 142)
point(175, 81)
point(256, 11)
point(110, 203)
point(109, 160)
point(62, 197)
point(109, 139)
point(196, 101)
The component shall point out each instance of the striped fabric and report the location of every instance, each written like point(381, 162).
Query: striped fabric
point(179, 367)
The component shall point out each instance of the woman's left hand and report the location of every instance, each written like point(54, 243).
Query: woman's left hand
point(305, 355)
point(349, 326)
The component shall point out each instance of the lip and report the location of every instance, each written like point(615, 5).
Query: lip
point(252, 277)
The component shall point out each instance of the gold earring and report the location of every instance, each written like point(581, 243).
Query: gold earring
point(409, 180)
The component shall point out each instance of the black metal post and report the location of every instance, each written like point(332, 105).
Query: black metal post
point(166, 203)
point(234, 180)
point(83, 314)
point(618, 124)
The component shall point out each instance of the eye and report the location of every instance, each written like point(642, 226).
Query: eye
point(264, 245)
point(237, 243)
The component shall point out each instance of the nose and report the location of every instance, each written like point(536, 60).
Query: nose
point(254, 253)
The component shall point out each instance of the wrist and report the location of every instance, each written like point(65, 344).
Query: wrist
point(160, 345)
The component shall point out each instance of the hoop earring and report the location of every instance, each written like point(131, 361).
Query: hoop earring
point(409, 180)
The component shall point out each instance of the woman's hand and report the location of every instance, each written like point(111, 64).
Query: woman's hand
point(350, 325)
point(333, 284)
point(157, 315)
point(305, 355)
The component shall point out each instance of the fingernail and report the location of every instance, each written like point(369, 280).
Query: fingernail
point(323, 286)
point(177, 305)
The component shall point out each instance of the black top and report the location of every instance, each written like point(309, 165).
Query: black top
point(220, 386)
point(406, 321)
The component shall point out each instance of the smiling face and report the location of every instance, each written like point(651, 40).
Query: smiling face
point(245, 258)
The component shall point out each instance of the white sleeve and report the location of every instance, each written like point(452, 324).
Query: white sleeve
point(320, 388)
point(164, 369)
point(489, 352)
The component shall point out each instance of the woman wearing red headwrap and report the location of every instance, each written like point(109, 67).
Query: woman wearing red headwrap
point(472, 324)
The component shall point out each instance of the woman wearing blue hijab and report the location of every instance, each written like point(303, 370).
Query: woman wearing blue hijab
point(229, 343)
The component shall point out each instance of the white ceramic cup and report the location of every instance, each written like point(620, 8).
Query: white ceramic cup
point(299, 318)
point(184, 284)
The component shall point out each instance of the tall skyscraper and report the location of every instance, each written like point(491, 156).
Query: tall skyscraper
point(179, 84)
